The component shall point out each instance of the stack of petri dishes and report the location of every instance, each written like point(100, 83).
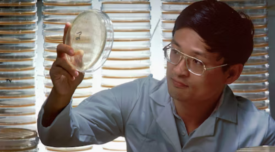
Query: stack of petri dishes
point(18, 140)
point(56, 13)
point(253, 83)
point(170, 11)
point(17, 52)
point(130, 55)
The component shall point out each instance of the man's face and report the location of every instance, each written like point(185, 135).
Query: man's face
point(185, 86)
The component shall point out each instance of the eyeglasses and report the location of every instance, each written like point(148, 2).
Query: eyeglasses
point(193, 65)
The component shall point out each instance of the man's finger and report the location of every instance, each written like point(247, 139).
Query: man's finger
point(63, 49)
point(63, 63)
point(67, 27)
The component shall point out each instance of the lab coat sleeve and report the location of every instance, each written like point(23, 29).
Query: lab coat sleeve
point(97, 120)
point(270, 135)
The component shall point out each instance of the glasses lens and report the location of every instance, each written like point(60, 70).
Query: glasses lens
point(195, 65)
point(173, 56)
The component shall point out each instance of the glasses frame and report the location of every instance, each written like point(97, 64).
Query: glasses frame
point(183, 55)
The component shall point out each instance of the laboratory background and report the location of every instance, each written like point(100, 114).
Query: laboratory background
point(30, 30)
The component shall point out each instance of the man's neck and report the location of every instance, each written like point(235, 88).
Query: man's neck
point(194, 115)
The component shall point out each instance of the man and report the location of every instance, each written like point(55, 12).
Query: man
point(192, 109)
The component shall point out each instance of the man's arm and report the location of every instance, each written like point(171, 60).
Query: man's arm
point(270, 135)
point(98, 119)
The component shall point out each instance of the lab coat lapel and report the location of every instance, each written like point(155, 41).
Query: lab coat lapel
point(163, 114)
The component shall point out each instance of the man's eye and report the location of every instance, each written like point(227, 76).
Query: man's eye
point(175, 51)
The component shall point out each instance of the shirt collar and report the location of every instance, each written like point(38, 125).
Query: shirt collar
point(226, 109)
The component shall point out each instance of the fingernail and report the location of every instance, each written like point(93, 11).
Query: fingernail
point(76, 73)
point(72, 52)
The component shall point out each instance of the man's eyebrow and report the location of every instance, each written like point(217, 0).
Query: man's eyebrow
point(175, 42)
point(196, 52)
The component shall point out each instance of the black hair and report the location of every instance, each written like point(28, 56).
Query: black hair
point(224, 30)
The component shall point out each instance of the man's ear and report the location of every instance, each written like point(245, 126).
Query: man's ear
point(233, 73)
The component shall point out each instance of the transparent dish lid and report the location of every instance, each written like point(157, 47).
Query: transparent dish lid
point(17, 111)
point(15, 139)
point(91, 37)
point(19, 102)
point(258, 149)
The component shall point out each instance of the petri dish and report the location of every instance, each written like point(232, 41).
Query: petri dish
point(17, 111)
point(115, 146)
point(249, 88)
point(252, 78)
point(91, 37)
point(260, 51)
point(114, 81)
point(170, 15)
point(17, 93)
point(132, 25)
point(120, 139)
point(86, 82)
point(67, 1)
point(258, 149)
point(64, 9)
point(132, 34)
point(131, 43)
point(167, 25)
point(255, 96)
point(17, 102)
point(174, 6)
point(15, 139)
point(129, 5)
point(128, 15)
point(130, 73)
point(125, 54)
point(16, 63)
point(18, 120)
point(257, 60)
point(28, 126)
point(17, 83)
point(69, 149)
point(127, 64)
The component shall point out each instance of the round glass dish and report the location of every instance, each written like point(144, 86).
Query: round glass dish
point(128, 15)
point(132, 34)
point(170, 15)
point(91, 36)
point(260, 78)
point(17, 54)
point(127, 64)
point(17, 83)
point(258, 149)
point(115, 82)
point(18, 18)
point(238, 3)
point(125, 54)
point(131, 73)
point(17, 102)
point(115, 146)
point(87, 82)
point(174, 6)
point(260, 51)
point(254, 96)
point(242, 88)
point(17, 111)
point(257, 60)
point(132, 25)
point(15, 139)
point(17, 93)
point(64, 8)
point(69, 149)
point(123, 5)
